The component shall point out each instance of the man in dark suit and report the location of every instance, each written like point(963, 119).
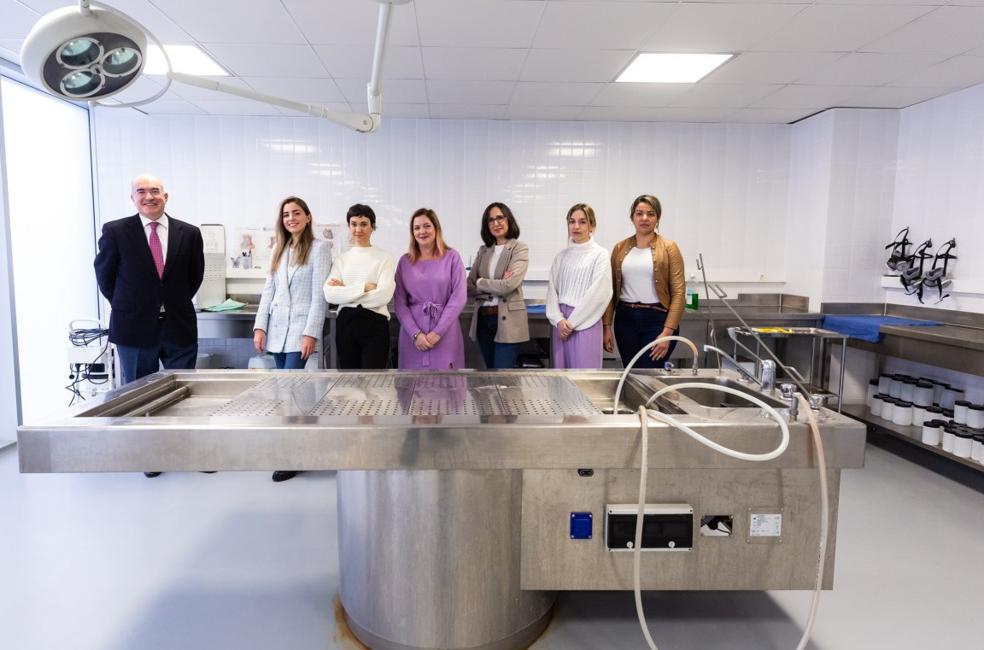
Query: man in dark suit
point(149, 266)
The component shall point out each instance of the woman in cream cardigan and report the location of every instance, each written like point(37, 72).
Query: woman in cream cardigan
point(648, 288)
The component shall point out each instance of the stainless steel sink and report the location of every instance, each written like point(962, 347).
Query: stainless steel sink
point(713, 398)
point(635, 393)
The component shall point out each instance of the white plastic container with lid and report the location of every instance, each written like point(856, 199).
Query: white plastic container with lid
point(908, 392)
point(895, 386)
point(902, 413)
point(919, 415)
point(938, 388)
point(963, 442)
point(931, 433)
point(948, 438)
point(950, 395)
point(877, 404)
point(888, 408)
point(872, 391)
point(975, 416)
point(884, 383)
point(923, 393)
point(960, 408)
point(977, 452)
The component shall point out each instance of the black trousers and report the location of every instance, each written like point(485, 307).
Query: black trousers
point(362, 339)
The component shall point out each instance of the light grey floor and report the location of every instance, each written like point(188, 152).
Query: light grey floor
point(108, 562)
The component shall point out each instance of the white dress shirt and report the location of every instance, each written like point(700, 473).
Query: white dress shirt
point(161, 232)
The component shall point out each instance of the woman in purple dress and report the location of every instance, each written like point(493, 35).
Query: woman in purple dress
point(430, 294)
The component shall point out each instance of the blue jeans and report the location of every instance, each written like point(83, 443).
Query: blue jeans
point(288, 360)
point(140, 362)
point(634, 328)
point(495, 355)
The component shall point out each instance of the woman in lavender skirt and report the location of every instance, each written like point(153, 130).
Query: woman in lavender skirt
point(579, 291)
point(431, 291)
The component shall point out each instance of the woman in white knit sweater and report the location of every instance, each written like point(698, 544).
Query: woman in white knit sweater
point(361, 283)
point(579, 290)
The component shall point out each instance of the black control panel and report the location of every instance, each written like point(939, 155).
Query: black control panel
point(669, 531)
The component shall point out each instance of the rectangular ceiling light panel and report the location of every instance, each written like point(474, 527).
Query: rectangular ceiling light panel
point(654, 67)
point(189, 59)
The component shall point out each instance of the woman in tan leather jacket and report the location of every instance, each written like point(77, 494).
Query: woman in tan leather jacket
point(648, 288)
point(499, 322)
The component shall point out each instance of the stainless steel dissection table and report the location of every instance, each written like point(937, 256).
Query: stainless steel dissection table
point(457, 491)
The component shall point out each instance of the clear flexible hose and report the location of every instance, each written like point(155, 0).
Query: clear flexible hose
point(644, 416)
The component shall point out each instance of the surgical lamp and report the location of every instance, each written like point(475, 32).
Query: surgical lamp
point(92, 51)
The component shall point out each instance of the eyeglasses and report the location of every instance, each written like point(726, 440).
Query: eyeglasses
point(499, 219)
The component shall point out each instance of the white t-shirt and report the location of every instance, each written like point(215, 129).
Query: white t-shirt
point(496, 254)
point(637, 277)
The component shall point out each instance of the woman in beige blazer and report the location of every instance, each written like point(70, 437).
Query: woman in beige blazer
point(499, 322)
point(648, 288)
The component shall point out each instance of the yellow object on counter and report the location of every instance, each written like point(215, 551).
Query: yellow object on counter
point(773, 330)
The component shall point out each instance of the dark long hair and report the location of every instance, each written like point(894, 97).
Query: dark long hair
point(283, 236)
point(511, 233)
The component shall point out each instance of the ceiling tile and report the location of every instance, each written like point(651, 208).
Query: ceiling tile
point(477, 23)
point(838, 28)
point(299, 90)
point(719, 27)
point(868, 69)
point(600, 25)
point(724, 95)
point(895, 96)
point(154, 19)
point(769, 115)
point(958, 71)
point(473, 63)
point(634, 95)
point(10, 49)
point(351, 22)
point(248, 61)
point(467, 112)
point(641, 114)
point(235, 107)
point(400, 62)
point(948, 30)
point(813, 97)
point(16, 20)
point(575, 65)
point(544, 112)
point(554, 94)
point(405, 111)
point(400, 91)
point(442, 91)
point(228, 21)
point(770, 67)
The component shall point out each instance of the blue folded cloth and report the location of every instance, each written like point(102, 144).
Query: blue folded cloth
point(536, 309)
point(867, 328)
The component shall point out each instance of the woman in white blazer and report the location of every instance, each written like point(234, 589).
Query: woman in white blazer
point(291, 316)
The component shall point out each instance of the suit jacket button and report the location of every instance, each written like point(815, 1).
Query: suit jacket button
point(503, 318)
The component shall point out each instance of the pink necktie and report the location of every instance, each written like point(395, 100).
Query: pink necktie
point(156, 251)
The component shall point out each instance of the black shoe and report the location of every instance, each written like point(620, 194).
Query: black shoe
point(208, 471)
point(151, 474)
point(281, 475)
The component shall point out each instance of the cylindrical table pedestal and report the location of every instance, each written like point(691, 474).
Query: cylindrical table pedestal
point(431, 559)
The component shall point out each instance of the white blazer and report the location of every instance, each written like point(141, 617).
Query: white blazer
point(292, 304)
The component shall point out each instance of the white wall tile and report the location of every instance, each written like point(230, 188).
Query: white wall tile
point(722, 186)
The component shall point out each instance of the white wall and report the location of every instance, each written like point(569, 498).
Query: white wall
point(939, 189)
point(723, 187)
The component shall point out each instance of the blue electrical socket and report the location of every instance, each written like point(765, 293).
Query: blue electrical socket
point(581, 524)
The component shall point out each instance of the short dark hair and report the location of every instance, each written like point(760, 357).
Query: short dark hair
point(511, 233)
point(360, 210)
